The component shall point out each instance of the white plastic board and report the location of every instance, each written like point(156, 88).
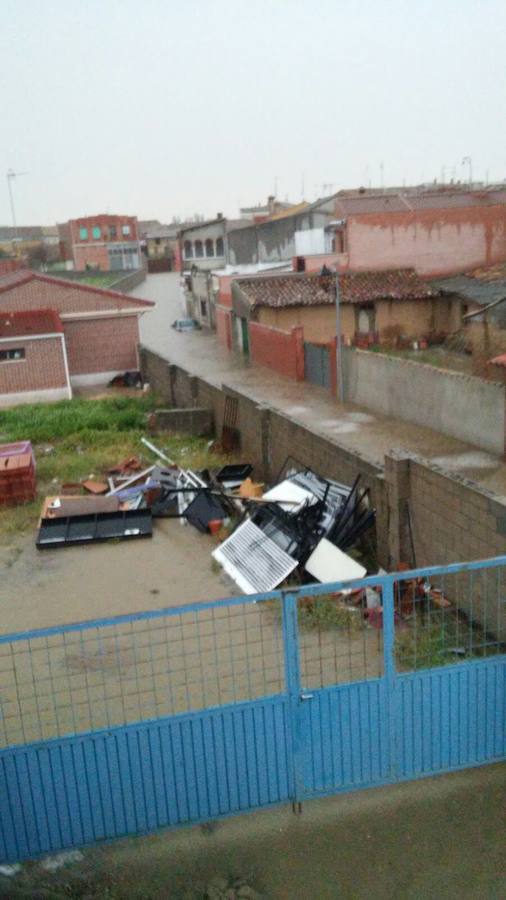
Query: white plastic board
point(328, 563)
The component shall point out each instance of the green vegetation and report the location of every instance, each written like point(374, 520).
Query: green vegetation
point(74, 439)
point(326, 612)
point(435, 356)
point(101, 280)
point(446, 637)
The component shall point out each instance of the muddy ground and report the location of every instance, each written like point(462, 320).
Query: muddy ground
point(41, 588)
point(435, 839)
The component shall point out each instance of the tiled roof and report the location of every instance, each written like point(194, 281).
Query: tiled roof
point(410, 200)
point(314, 290)
point(37, 321)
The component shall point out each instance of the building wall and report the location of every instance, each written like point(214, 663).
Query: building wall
point(279, 350)
point(102, 345)
point(318, 322)
point(410, 318)
point(332, 260)
point(413, 318)
point(462, 406)
point(202, 233)
point(43, 367)
point(92, 256)
point(435, 242)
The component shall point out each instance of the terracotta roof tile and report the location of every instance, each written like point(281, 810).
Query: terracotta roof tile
point(314, 290)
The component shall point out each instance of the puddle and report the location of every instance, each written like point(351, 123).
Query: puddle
point(466, 461)
point(362, 418)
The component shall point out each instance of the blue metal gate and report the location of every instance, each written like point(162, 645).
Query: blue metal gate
point(125, 725)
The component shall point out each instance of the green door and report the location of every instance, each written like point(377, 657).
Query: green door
point(245, 336)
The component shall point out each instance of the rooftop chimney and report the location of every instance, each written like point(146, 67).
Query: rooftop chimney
point(219, 215)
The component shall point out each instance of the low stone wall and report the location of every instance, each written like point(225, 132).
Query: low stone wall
point(452, 519)
point(462, 406)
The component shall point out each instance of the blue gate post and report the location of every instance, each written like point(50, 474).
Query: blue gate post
point(293, 687)
point(387, 590)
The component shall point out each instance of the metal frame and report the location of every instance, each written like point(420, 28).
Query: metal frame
point(202, 763)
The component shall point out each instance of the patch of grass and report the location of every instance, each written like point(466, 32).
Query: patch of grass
point(326, 612)
point(47, 422)
point(447, 637)
point(77, 438)
point(103, 280)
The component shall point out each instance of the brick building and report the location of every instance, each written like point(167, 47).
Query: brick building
point(108, 243)
point(33, 358)
point(373, 304)
point(62, 327)
point(437, 232)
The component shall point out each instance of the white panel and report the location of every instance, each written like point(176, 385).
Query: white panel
point(328, 563)
point(253, 560)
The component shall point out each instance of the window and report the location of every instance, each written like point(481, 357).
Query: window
point(199, 248)
point(83, 234)
point(12, 355)
point(125, 230)
point(96, 232)
point(112, 231)
point(188, 249)
point(203, 309)
point(219, 247)
point(209, 247)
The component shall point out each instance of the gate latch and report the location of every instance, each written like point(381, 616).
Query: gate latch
point(306, 696)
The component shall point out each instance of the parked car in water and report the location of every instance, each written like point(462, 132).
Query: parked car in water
point(186, 324)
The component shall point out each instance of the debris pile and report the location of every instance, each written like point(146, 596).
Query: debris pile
point(303, 522)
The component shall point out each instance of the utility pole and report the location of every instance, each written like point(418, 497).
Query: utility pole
point(468, 160)
point(339, 355)
point(10, 175)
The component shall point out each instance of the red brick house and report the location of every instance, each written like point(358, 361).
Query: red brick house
point(57, 334)
point(108, 243)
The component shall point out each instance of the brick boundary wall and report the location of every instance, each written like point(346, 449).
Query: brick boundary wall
point(280, 350)
point(452, 518)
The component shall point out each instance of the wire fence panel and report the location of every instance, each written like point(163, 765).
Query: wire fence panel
point(75, 681)
point(449, 618)
point(340, 638)
point(125, 725)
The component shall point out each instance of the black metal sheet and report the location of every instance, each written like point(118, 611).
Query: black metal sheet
point(121, 525)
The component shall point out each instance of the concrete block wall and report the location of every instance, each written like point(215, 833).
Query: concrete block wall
point(452, 518)
point(458, 405)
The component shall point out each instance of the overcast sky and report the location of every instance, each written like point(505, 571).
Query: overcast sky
point(161, 108)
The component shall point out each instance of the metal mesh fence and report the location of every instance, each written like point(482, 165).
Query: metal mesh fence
point(340, 638)
point(449, 618)
point(102, 676)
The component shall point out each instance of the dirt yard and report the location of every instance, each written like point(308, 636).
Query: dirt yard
point(41, 588)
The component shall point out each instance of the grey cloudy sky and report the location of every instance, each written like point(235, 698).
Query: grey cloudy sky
point(162, 108)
